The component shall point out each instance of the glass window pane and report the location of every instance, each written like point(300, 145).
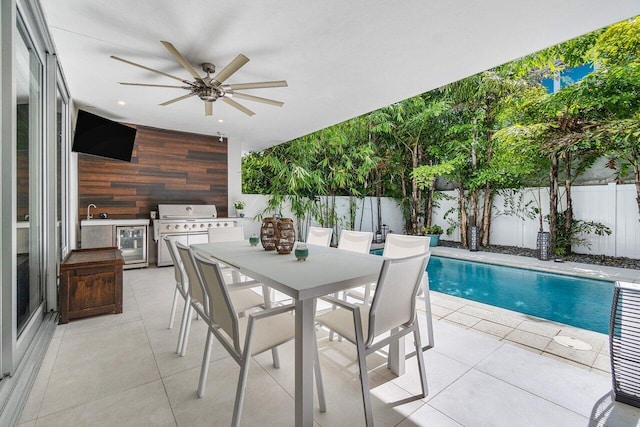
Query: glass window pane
point(29, 292)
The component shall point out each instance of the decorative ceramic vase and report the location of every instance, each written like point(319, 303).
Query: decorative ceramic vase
point(254, 240)
point(301, 252)
point(268, 233)
point(285, 235)
point(240, 213)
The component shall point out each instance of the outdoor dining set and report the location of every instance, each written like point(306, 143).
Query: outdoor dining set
point(230, 283)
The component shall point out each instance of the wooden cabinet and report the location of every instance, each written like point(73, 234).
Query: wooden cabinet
point(90, 283)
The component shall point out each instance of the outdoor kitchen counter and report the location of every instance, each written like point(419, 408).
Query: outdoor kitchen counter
point(125, 222)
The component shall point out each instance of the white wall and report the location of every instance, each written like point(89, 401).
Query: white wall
point(612, 205)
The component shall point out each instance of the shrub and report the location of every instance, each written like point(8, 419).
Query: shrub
point(434, 229)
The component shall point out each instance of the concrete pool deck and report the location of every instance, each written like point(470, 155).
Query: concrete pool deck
point(589, 350)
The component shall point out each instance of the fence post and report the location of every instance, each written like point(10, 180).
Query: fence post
point(612, 214)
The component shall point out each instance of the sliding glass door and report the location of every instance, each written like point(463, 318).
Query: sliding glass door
point(28, 178)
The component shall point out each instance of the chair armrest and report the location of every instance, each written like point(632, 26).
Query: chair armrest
point(272, 311)
point(340, 303)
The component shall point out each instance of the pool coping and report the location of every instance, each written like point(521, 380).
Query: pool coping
point(529, 332)
point(591, 271)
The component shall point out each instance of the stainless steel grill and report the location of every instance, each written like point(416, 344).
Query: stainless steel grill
point(187, 224)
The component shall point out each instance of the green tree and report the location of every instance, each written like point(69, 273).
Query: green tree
point(310, 172)
point(409, 125)
point(584, 120)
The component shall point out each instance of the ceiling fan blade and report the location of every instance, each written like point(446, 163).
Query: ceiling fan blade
point(208, 108)
point(180, 98)
point(257, 85)
point(150, 85)
point(233, 66)
point(257, 99)
point(238, 106)
point(171, 48)
point(162, 73)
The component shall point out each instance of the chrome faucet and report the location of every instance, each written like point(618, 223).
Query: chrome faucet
point(91, 205)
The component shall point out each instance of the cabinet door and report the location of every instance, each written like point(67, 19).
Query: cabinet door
point(96, 236)
point(92, 288)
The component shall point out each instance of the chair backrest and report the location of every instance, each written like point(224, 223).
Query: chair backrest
point(355, 241)
point(401, 246)
point(222, 312)
point(319, 236)
point(394, 300)
point(195, 284)
point(178, 271)
point(226, 234)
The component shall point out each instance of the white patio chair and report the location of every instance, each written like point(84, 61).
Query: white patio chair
point(244, 337)
point(227, 234)
point(243, 298)
point(355, 241)
point(393, 311)
point(319, 236)
point(395, 246)
point(181, 288)
point(400, 246)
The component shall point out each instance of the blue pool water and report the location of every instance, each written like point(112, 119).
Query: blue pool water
point(580, 302)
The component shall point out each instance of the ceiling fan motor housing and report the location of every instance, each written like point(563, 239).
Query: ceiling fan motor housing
point(209, 94)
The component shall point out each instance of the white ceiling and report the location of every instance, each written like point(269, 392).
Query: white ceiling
point(340, 58)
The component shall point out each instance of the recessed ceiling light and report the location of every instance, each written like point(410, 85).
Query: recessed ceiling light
point(220, 121)
point(122, 103)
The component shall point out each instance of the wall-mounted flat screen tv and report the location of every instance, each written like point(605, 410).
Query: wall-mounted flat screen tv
point(103, 137)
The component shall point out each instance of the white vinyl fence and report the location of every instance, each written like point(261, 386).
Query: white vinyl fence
point(612, 205)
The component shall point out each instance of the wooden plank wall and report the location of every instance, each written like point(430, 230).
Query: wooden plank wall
point(166, 167)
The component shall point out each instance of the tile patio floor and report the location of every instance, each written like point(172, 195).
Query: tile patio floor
point(489, 367)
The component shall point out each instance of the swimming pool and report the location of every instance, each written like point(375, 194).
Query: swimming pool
point(584, 303)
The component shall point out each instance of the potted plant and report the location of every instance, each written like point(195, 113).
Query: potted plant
point(239, 205)
point(434, 232)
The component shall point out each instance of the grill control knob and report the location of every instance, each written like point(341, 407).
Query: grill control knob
point(210, 225)
point(186, 226)
point(177, 226)
point(201, 225)
point(168, 226)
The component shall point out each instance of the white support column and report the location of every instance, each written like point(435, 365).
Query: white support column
point(234, 172)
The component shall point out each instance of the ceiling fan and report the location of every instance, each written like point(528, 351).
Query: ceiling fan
point(210, 88)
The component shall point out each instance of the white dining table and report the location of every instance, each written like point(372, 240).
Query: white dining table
point(326, 271)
